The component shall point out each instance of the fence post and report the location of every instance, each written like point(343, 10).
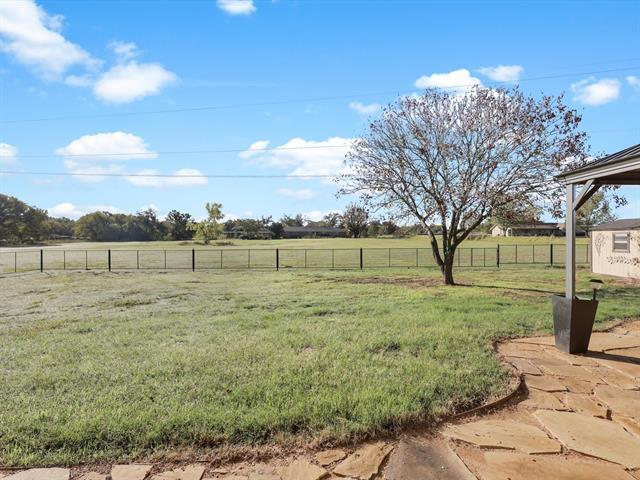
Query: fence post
point(41, 260)
point(333, 258)
point(221, 260)
point(15, 262)
point(277, 259)
point(498, 255)
point(109, 258)
point(165, 259)
point(389, 257)
point(417, 258)
point(305, 258)
point(361, 258)
point(193, 259)
point(137, 259)
point(64, 259)
point(551, 254)
point(516, 253)
point(472, 256)
point(86, 259)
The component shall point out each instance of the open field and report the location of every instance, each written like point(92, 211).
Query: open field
point(305, 253)
point(99, 365)
point(383, 242)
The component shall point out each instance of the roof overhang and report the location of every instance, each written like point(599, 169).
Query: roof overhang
point(625, 171)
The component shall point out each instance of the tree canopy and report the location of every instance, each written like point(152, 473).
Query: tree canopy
point(450, 159)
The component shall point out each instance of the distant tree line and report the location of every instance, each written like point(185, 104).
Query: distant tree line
point(21, 224)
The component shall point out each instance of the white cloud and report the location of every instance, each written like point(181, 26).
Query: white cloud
point(594, 93)
point(8, 154)
point(315, 215)
point(237, 7)
point(502, 73)
point(131, 81)
point(301, 194)
point(69, 210)
point(102, 153)
point(365, 109)
point(633, 81)
point(185, 177)
point(460, 81)
point(124, 50)
point(255, 148)
point(32, 37)
point(303, 157)
point(108, 146)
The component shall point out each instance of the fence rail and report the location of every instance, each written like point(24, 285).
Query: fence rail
point(278, 258)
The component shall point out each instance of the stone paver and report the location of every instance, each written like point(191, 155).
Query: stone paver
point(545, 400)
point(40, 474)
point(604, 341)
point(546, 383)
point(513, 466)
point(629, 424)
point(130, 472)
point(365, 462)
point(620, 362)
point(191, 472)
point(329, 456)
point(585, 404)
point(570, 371)
point(578, 386)
point(622, 402)
point(302, 469)
point(508, 434)
point(414, 460)
point(615, 378)
point(521, 350)
point(525, 366)
point(593, 436)
point(93, 476)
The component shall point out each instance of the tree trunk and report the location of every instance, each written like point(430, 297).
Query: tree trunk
point(447, 268)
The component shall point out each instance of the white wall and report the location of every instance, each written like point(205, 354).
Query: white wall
point(608, 262)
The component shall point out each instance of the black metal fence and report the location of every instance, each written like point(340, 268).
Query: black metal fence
point(25, 260)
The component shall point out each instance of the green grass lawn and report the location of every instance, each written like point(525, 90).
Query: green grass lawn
point(99, 366)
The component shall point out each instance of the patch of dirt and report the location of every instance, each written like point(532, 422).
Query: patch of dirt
point(415, 282)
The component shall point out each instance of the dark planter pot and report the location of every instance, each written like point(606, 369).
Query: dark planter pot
point(573, 322)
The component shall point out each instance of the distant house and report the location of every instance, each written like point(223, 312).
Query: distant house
point(536, 229)
point(240, 232)
point(615, 248)
point(313, 232)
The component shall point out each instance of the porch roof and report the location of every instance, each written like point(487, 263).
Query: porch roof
point(620, 168)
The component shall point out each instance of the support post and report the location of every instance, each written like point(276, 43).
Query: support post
point(193, 259)
point(277, 259)
point(498, 255)
point(361, 259)
point(41, 260)
point(15, 262)
point(109, 258)
point(570, 229)
point(551, 254)
point(64, 259)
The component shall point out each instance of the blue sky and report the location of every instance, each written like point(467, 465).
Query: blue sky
point(99, 59)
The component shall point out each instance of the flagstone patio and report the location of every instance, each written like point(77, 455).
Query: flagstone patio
point(578, 419)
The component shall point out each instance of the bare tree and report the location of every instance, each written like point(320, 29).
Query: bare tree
point(453, 160)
